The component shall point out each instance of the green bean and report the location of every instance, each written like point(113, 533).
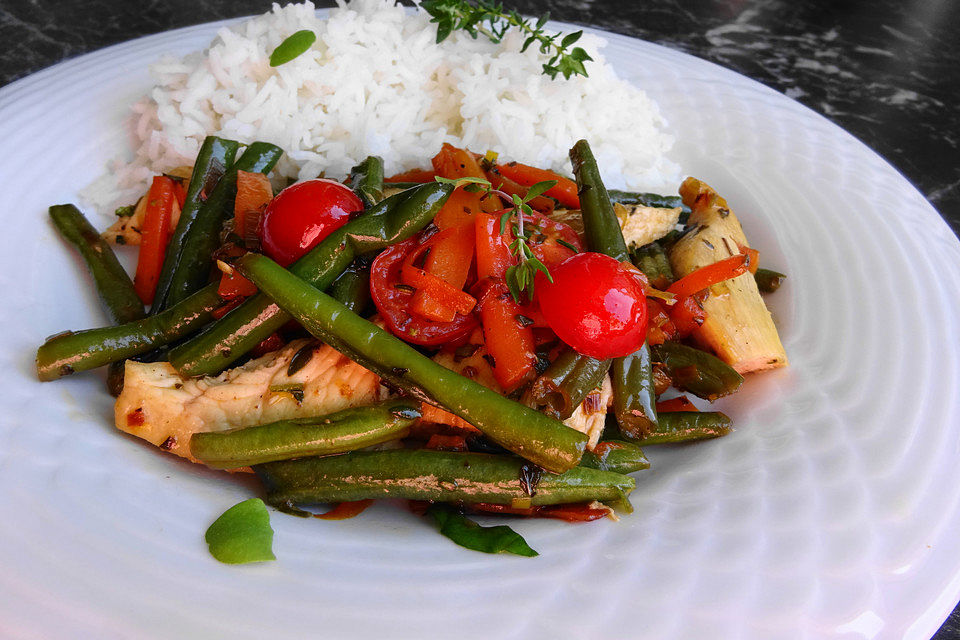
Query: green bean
point(634, 398)
point(401, 185)
point(653, 261)
point(687, 426)
point(566, 382)
point(216, 154)
point(517, 428)
point(83, 350)
point(600, 224)
point(701, 373)
point(339, 432)
point(431, 475)
point(768, 280)
point(617, 456)
point(352, 287)
point(195, 240)
point(392, 220)
point(112, 282)
point(366, 179)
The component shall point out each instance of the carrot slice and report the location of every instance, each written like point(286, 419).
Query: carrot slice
point(453, 163)
point(254, 192)
point(157, 230)
point(565, 192)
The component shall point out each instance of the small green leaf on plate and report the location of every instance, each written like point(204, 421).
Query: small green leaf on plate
point(469, 534)
point(242, 534)
point(293, 46)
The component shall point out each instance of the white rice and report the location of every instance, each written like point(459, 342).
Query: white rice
point(376, 82)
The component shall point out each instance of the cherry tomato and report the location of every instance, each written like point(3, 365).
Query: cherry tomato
point(393, 300)
point(304, 214)
point(595, 305)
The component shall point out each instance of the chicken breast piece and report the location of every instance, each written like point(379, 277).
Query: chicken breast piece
point(642, 225)
point(165, 408)
point(591, 415)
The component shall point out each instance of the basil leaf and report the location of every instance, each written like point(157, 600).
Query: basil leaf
point(469, 534)
point(242, 534)
point(293, 46)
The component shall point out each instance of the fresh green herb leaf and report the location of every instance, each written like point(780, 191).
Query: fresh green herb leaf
point(567, 245)
point(464, 182)
point(489, 19)
point(295, 45)
point(125, 212)
point(539, 189)
point(469, 534)
point(242, 534)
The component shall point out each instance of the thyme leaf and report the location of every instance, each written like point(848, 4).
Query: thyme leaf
point(489, 19)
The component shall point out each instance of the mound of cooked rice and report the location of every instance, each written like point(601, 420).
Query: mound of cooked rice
point(376, 82)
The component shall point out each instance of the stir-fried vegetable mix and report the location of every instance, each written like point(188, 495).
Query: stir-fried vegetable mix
point(480, 333)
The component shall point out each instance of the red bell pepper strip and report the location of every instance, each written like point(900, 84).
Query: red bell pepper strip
point(565, 192)
point(450, 257)
point(413, 175)
point(660, 328)
point(458, 210)
point(392, 298)
point(157, 230)
point(508, 186)
point(710, 275)
point(753, 255)
point(493, 248)
point(509, 341)
point(680, 403)
point(687, 315)
point(441, 300)
point(453, 163)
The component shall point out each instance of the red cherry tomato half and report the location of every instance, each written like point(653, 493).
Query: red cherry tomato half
point(393, 299)
point(595, 305)
point(304, 214)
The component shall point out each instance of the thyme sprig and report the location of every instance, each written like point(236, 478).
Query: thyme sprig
point(519, 277)
point(490, 19)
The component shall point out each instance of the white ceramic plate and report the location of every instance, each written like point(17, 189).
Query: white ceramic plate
point(831, 512)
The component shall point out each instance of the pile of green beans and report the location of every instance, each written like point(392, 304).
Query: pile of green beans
point(634, 399)
point(390, 221)
point(527, 433)
point(189, 257)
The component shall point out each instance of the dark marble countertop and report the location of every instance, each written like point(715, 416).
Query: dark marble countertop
point(888, 71)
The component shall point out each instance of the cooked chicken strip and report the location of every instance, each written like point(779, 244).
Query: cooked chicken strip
point(165, 408)
point(591, 415)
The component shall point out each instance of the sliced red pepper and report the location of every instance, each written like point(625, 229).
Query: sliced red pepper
point(680, 403)
point(687, 315)
point(268, 345)
point(233, 285)
point(392, 298)
point(438, 300)
point(345, 510)
point(458, 210)
point(450, 258)
point(156, 233)
point(454, 163)
point(413, 175)
point(710, 275)
point(508, 338)
point(442, 442)
point(254, 193)
point(660, 328)
point(753, 255)
point(508, 186)
point(493, 248)
point(565, 192)
point(584, 512)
